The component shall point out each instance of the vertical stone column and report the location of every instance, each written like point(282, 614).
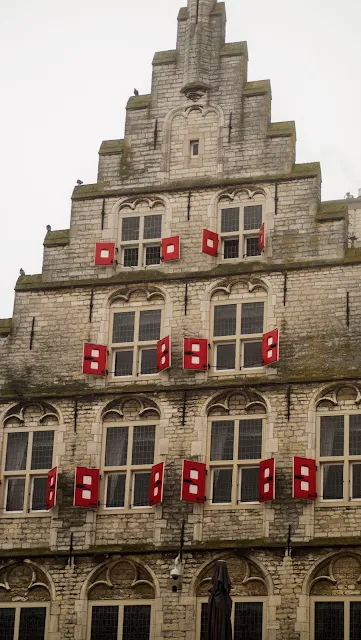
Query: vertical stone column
point(198, 42)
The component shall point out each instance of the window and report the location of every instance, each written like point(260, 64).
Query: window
point(336, 619)
point(114, 621)
point(248, 619)
point(234, 454)
point(141, 240)
point(127, 461)
point(22, 622)
point(134, 340)
point(239, 227)
point(194, 148)
point(339, 451)
point(28, 458)
point(237, 335)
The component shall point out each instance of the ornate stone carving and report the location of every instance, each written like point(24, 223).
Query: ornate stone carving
point(121, 578)
point(17, 579)
point(340, 574)
point(125, 294)
point(246, 577)
point(133, 203)
point(332, 394)
point(31, 414)
point(232, 195)
point(250, 399)
point(139, 406)
point(226, 285)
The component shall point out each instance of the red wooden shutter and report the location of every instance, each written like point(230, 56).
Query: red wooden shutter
point(51, 486)
point(195, 353)
point(104, 253)
point(95, 359)
point(210, 241)
point(304, 478)
point(170, 248)
point(270, 347)
point(86, 489)
point(163, 354)
point(267, 480)
point(261, 238)
point(156, 484)
point(193, 481)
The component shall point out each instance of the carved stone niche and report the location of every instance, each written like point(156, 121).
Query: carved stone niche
point(31, 414)
point(121, 579)
point(339, 575)
point(246, 577)
point(138, 407)
point(342, 396)
point(23, 582)
point(237, 402)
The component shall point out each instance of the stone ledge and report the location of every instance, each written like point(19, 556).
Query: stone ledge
point(5, 326)
point(257, 88)
point(281, 129)
point(57, 238)
point(234, 49)
point(331, 211)
point(136, 103)
point(83, 191)
point(164, 57)
point(111, 147)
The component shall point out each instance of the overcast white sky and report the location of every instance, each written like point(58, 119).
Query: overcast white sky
point(69, 66)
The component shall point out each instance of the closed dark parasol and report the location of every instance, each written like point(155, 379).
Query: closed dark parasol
point(220, 605)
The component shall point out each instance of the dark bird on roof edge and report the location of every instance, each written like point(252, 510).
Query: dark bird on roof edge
point(79, 182)
point(136, 92)
point(22, 272)
point(48, 227)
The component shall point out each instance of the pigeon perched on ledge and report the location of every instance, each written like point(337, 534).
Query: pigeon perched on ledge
point(22, 272)
point(136, 92)
point(79, 182)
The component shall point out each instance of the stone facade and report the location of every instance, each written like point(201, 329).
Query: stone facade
point(284, 553)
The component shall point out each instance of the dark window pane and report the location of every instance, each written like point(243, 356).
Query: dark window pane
point(195, 148)
point(230, 220)
point(131, 257)
point(123, 327)
point(143, 444)
point(355, 620)
point(226, 356)
point(116, 447)
point(355, 435)
point(149, 325)
point(42, 452)
point(250, 439)
point(249, 484)
point(332, 481)
point(141, 489)
point(248, 620)
point(152, 227)
point(16, 451)
point(32, 623)
point(39, 494)
point(130, 229)
point(329, 621)
point(15, 494)
point(7, 622)
point(123, 363)
point(225, 318)
point(136, 622)
point(252, 354)
point(332, 436)
point(230, 249)
point(252, 317)
point(204, 621)
point(104, 623)
point(222, 485)
point(222, 439)
point(148, 361)
point(252, 247)
point(152, 255)
point(252, 217)
point(356, 481)
point(115, 489)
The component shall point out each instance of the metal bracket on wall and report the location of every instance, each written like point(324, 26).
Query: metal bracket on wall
point(91, 305)
point(32, 334)
point(155, 133)
point(102, 215)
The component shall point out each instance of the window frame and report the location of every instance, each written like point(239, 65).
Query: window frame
point(27, 605)
point(142, 243)
point(129, 468)
point(120, 604)
point(242, 234)
point(239, 338)
point(237, 465)
point(26, 473)
point(263, 599)
point(346, 460)
point(136, 345)
point(346, 601)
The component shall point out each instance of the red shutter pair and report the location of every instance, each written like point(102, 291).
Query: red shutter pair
point(86, 487)
point(304, 479)
point(210, 241)
point(105, 251)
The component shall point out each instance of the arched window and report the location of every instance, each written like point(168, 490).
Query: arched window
point(136, 325)
point(338, 445)
point(140, 232)
point(240, 216)
point(28, 455)
point(121, 602)
point(235, 447)
point(130, 436)
point(249, 596)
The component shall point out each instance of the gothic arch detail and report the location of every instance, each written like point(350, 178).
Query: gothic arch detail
point(337, 574)
point(250, 192)
point(250, 285)
point(248, 577)
point(120, 579)
point(338, 394)
point(139, 407)
point(247, 399)
point(133, 203)
point(31, 414)
point(126, 293)
point(25, 581)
